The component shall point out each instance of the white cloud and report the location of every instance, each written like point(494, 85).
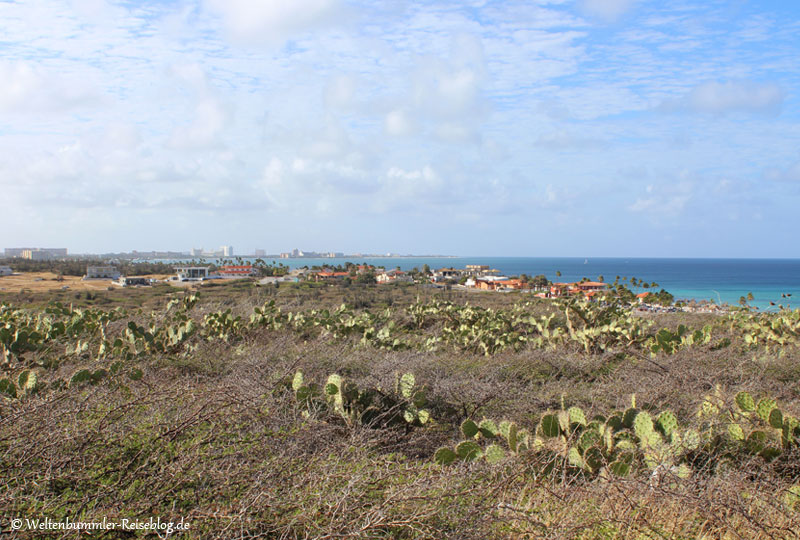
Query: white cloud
point(209, 120)
point(607, 10)
point(437, 110)
point(399, 123)
point(787, 174)
point(26, 87)
point(272, 22)
point(564, 139)
point(664, 201)
point(732, 96)
point(340, 92)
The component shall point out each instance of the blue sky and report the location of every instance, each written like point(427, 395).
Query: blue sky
point(525, 128)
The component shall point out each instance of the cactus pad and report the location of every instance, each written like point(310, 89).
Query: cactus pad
point(576, 416)
point(405, 385)
point(494, 454)
point(8, 388)
point(745, 402)
point(444, 456)
point(667, 423)
point(488, 429)
point(550, 425)
point(469, 429)
point(735, 432)
point(468, 450)
point(81, 376)
point(643, 425)
point(764, 408)
point(776, 418)
point(574, 457)
point(297, 381)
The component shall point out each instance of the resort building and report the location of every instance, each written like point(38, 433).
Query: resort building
point(36, 254)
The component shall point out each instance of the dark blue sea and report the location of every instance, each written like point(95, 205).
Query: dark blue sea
point(719, 280)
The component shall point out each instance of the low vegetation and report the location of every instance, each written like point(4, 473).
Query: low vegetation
point(308, 411)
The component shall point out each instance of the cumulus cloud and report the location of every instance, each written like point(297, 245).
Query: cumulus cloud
point(399, 123)
point(26, 87)
point(272, 22)
point(444, 95)
point(720, 98)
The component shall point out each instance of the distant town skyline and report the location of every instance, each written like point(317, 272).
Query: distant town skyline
point(587, 128)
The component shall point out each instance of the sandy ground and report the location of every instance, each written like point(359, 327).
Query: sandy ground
point(47, 281)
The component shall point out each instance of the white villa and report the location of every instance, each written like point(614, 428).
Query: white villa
point(101, 272)
point(191, 273)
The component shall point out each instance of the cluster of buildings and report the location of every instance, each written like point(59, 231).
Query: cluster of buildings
point(224, 251)
point(482, 277)
point(473, 276)
point(112, 274)
point(381, 275)
point(36, 254)
point(299, 254)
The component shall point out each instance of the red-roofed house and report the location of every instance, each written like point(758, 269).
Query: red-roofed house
point(241, 271)
point(327, 275)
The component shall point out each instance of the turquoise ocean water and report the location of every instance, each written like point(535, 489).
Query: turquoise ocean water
point(720, 280)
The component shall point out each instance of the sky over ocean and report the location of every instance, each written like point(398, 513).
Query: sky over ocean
point(543, 127)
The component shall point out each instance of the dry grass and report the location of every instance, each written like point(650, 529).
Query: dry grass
point(215, 437)
point(38, 282)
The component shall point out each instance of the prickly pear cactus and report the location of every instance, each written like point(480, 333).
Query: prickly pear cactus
point(576, 416)
point(469, 450)
point(764, 408)
point(550, 426)
point(8, 388)
point(469, 429)
point(445, 456)
point(745, 402)
point(494, 454)
point(667, 423)
point(80, 376)
point(488, 429)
